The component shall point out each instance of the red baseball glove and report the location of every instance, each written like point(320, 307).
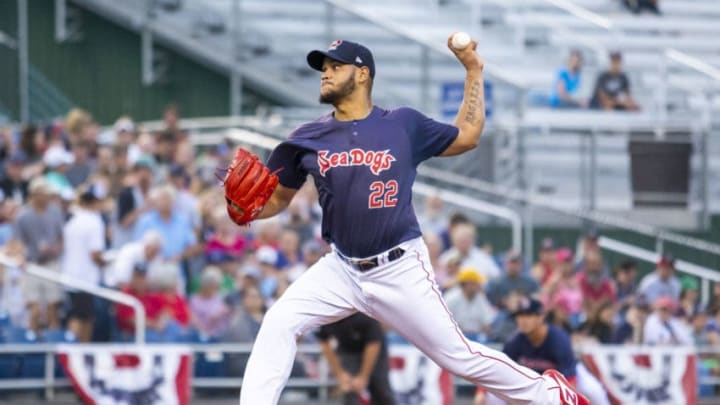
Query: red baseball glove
point(248, 187)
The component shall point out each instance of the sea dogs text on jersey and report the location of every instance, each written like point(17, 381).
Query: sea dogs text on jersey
point(377, 161)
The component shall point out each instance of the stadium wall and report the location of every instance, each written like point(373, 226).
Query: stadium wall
point(102, 72)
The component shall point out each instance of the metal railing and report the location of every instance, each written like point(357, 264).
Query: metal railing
point(705, 274)
point(666, 54)
point(111, 295)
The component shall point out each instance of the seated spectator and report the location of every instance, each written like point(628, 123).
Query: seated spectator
point(9, 210)
point(463, 248)
point(513, 280)
point(630, 329)
point(689, 297)
point(247, 276)
point(596, 287)
point(243, 328)
point(81, 167)
point(626, 281)
point(57, 163)
point(433, 217)
point(567, 84)
point(503, 325)
point(662, 328)
point(312, 251)
point(563, 292)
point(637, 6)
point(210, 315)
point(543, 270)
point(133, 256)
point(39, 229)
point(288, 250)
point(701, 334)
point(227, 237)
point(133, 201)
point(468, 304)
point(456, 218)
point(612, 88)
point(13, 183)
point(170, 305)
point(662, 282)
point(176, 229)
point(600, 325)
point(137, 286)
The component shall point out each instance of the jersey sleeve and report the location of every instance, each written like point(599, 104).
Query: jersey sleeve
point(286, 158)
point(428, 137)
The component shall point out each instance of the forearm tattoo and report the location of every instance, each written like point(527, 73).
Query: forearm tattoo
point(474, 104)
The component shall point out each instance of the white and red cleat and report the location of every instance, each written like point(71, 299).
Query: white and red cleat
point(568, 394)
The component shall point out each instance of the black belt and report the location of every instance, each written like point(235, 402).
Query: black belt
point(363, 265)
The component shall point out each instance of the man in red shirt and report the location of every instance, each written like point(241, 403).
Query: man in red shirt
point(597, 288)
point(138, 288)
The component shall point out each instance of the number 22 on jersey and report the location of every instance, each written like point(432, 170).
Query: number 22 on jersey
point(383, 195)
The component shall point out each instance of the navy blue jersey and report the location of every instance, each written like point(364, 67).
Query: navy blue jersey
point(363, 170)
point(555, 352)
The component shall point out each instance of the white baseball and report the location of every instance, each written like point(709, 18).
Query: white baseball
point(460, 40)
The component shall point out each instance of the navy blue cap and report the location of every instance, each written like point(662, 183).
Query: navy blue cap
point(528, 306)
point(345, 52)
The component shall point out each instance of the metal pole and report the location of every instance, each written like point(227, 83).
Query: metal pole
point(705, 291)
point(593, 168)
point(529, 228)
point(329, 23)
point(425, 78)
point(49, 376)
point(704, 177)
point(147, 56)
point(662, 90)
point(236, 92)
point(60, 16)
point(23, 61)
point(659, 246)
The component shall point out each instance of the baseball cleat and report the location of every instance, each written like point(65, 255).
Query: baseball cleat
point(568, 394)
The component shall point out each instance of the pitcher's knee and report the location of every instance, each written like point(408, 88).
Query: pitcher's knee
point(280, 319)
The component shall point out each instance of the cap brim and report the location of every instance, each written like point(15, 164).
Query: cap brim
point(316, 58)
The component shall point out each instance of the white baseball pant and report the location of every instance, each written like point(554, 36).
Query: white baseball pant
point(403, 295)
point(587, 385)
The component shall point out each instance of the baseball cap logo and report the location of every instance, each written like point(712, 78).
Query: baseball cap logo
point(333, 46)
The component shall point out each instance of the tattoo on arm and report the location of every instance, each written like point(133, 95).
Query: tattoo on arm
point(474, 104)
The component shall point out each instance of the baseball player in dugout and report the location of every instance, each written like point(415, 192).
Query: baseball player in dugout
point(360, 360)
point(363, 159)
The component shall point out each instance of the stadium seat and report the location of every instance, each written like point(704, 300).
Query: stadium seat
point(31, 365)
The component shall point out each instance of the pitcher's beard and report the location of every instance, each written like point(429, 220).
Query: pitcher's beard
point(336, 96)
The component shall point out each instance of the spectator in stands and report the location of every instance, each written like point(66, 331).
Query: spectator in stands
point(138, 288)
point(57, 162)
point(637, 6)
point(270, 278)
point(468, 304)
point(630, 329)
point(171, 118)
point(133, 201)
point(662, 328)
point(600, 325)
point(503, 327)
point(39, 229)
point(689, 297)
point(433, 217)
point(173, 309)
point(84, 237)
point(288, 250)
point(512, 280)
point(662, 282)
point(612, 88)
point(32, 144)
point(210, 315)
point(596, 287)
point(185, 201)
point(142, 254)
point(126, 137)
point(456, 218)
point(227, 237)
point(81, 167)
point(9, 210)
point(626, 281)
point(435, 247)
point(563, 289)
point(463, 248)
point(565, 93)
point(543, 270)
point(248, 275)
point(588, 242)
point(243, 328)
point(13, 183)
point(180, 240)
point(312, 251)
point(701, 334)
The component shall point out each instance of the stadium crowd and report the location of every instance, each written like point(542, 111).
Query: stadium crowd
point(143, 212)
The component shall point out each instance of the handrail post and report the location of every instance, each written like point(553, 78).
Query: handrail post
point(425, 78)
point(49, 376)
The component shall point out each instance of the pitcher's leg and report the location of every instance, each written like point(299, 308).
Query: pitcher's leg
point(320, 296)
point(408, 300)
